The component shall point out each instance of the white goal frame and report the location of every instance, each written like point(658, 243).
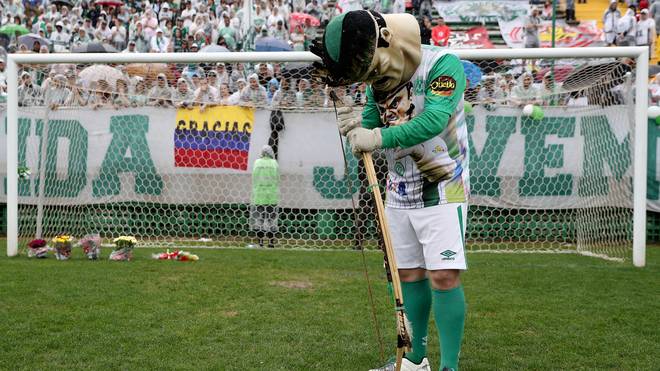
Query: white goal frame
point(639, 54)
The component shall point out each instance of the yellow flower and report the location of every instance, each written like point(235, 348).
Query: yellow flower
point(126, 239)
point(62, 239)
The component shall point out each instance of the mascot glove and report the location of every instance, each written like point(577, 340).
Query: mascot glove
point(347, 120)
point(364, 140)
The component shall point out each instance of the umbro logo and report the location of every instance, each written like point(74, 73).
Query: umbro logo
point(448, 255)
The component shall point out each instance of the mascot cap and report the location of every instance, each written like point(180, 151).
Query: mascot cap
point(348, 46)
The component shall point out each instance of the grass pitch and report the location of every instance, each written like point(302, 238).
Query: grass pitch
point(302, 310)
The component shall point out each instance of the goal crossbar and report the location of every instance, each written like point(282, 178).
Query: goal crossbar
point(639, 54)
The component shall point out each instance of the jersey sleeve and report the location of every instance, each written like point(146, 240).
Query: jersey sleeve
point(445, 85)
point(370, 113)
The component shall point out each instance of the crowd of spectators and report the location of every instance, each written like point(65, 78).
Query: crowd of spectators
point(260, 85)
point(506, 89)
point(160, 26)
point(189, 26)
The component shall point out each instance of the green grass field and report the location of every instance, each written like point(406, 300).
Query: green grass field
point(302, 310)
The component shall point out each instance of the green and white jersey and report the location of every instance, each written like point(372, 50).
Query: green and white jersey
point(424, 133)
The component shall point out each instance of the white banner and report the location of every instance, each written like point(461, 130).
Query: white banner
point(584, 34)
point(572, 158)
point(481, 11)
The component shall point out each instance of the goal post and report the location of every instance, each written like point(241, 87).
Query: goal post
point(638, 127)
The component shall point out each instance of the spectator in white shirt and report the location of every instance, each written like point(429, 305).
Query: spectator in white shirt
point(161, 94)
point(525, 93)
point(89, 29)
point(235, 98)
point(610, 21)
point(165, 14)
point(223, 75)
point(490, 92)
point(254, 94)
point(60, 38)
point(205, 95)
point(225, 96)
point(159, 42)
point(182, 96)
point(130, 48)
point(274, 17)
point(104, 30)
point(626, 26)
point(279, 32)
point(187, 14)
point(118, 34)
point(313, 8)
point(645, 34)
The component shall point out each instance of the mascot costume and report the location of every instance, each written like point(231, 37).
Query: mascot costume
point(414, 112)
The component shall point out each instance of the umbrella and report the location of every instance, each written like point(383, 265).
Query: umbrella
point(472, 73)
point(62, 68)
point(4, 40)
point(596, 74)
point(213, 49)
point(11, 29)
point(100, 72)
point(109, 2)
point(300, 18)
point(94, 47)
point(62, 2)
point(560, 71)
point(271, 44)
point(149, 71)
point(653, 70)
point(29, 40)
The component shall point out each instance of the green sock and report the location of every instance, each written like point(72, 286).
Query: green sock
point(417, 301)
point(449, 314)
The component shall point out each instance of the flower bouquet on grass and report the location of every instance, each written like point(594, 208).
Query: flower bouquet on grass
point(63, 245)
point(38, 249)
point(91, 245)
point(176, 255)
point(123, 248)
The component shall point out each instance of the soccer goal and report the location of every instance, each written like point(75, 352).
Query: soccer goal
point(163, 147)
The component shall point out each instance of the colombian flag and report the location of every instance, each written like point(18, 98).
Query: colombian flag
point(219, 137)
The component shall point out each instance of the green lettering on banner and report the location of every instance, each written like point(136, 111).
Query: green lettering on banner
point(539, 156)
point(652, 183)
point(76, 167)
point(128, 134)
point(23, 132)
point(483, 167)
point(332, 188)
point(600, 147)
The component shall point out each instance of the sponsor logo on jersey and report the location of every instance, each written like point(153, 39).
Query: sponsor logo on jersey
point(448, 255)
point(443, 86)
point(399, 168)
point(397, 187)
point(438, 149)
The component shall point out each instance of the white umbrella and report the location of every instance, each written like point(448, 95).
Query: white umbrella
point(214, 49)
point(62, 68)
point(100, 72)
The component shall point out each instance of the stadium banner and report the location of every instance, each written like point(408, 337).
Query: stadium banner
point(474, 38)
point(481, 11)
point(586, 33)
point(217, 137)
point(100, 156)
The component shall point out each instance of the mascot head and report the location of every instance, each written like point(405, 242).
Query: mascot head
point(383, 50)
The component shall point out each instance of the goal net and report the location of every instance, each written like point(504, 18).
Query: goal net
point(167, 152)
